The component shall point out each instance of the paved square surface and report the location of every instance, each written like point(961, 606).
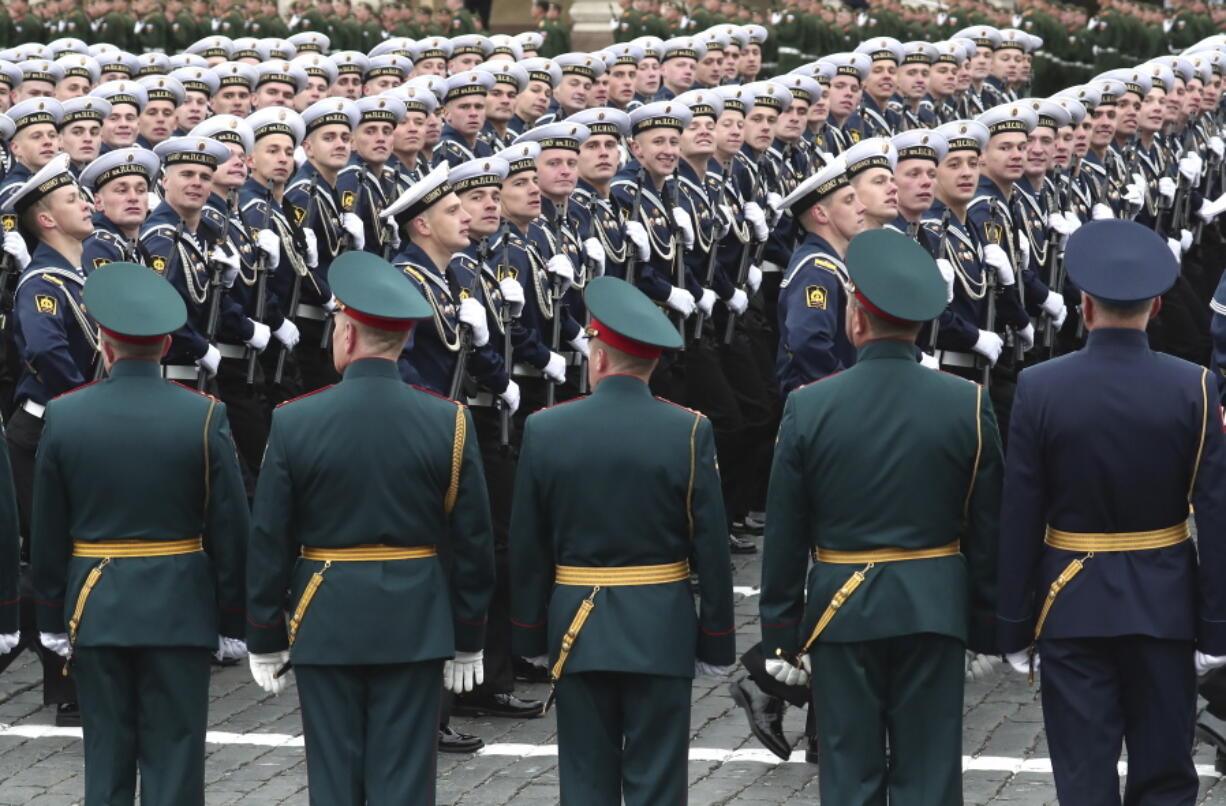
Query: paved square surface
point(256, 757)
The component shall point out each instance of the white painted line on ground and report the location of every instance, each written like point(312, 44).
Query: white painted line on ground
point(718, 755)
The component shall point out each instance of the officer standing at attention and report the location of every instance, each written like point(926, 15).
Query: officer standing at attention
point(623, 563)
point(138, 551)
point(903, 581)
point(415, 549)
point(1110, 449)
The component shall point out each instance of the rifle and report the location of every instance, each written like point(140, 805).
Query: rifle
point(671, 203)
point(325, 339)
point(742, 269)
point(261, 292)
point(989, 319)
point(295, 293)
point(466, 333)
point(632, 260)
point(555, 285)
point(215, 292)
point(709, 274)
point(941, 249)
point(504, 410)
point(1011, 236)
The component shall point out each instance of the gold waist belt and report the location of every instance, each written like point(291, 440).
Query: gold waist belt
point(136, 548)
point(369, 552)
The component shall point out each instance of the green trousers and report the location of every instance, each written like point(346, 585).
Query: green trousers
point(371, 732)
point(143, 707)
point(904, 693)
point(623, 736)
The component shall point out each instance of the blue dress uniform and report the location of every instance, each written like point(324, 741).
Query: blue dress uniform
point(1111, 447)
point(374, 186)
point(612, 572)
point(140, 529)
point(107, 243)
point(452, 148)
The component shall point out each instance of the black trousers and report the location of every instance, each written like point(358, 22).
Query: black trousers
point(314, 361)
point(22, 434)
point(58, 688)
point(290, 384)
point(248, 412)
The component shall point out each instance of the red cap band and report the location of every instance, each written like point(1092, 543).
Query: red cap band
point(377, 321)
point(619, 342)
point(132, 339)
point(863, 300)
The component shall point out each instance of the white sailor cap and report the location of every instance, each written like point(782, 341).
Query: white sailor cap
point(624, 53)
point(388, 64)
point(226, 129)
point(714, 39)
point(80, 65)
point(163, 88)
point(119, 162)
point(505, 72)
point(382, 108)
point(803, 88)
point(1161, 76)
point(919, 144)
point(469, 82)
point(882, 48)
point(919, 53)
point(7, 127)
point(67, 44)
point(350, 61)
point(1013, 38)
point(1181, 66)
point(236, 74)
point(1134, 80)
point(530, 40)
point(984, 36)
point(46, 180)
point(122, 91)
point(856, 65)
point(1010, 117)
point(653, 46)
point(197, 79)
point(520, 157)
point(330, 112)
point(41, 70)
point(604, 120)
point(1088, 95)
point(1202, 66)
point(9, 74)
point(950, 51)
point(683, 47)
point(482, 172)
point(737, 35)
point(1109, 90)
point(874, 152)
point(471, 45)
point(580, 64)
point(316, 65)
point(1048, 114)
point(278, 48)
point(282, 72)
point(26, 51)
point(415, 98)
point(276, 120)
point(563, 134)
point(660, 115)
point(964, 135)
point(505, 47)
point(34, 111)
point(396, 46)
point(437, 85)
point(97, 51)
point(179, 60)
point(249, 48)
point(152, 64)
point(735, 97)
point(311, 42)
point(433, 47)
point(84, 107)
point(830, 178)
point(757, 34)
point(769, 94)
point(543, 70)
point(212, 47)
point(969, 46)
point(701, 103)
point(420, 195)
point(1074, 108)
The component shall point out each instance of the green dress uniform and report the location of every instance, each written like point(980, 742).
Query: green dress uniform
point(371, 512)
point(632, 500)
point(139, 530)
point(888, 475)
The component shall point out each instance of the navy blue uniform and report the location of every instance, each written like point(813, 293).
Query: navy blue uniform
point(55, 335)
point(106, 244)
point(812, 308)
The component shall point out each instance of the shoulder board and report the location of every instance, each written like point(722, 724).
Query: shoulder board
point(303, 184)
point(255, 202)
point(823, 262)
point(436, 394)
point(300, 397)
point(193, 390)
point(77, 389)
point(678, 405)
point(213, 215)
point(933, 224)
point(51, 278)
point(105, 235)
point(167, 230)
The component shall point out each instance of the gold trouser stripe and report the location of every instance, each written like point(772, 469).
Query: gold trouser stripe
point(869, 558)
point(888, 555)
point(368, 552)
point(457, 458)
point(1117, 541)
point(136, 548)
point(625, 575)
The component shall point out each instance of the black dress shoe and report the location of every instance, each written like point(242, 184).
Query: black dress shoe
point(741, 545)
point(452, 741)
point(811, 749)
point(68, 715)
point(765, 714)
point(529, 672)
point(507, 705)
point(747, 528)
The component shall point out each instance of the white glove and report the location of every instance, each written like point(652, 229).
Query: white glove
point(707, 670)
point(1060, 224)
point(1166, 188)
point(681, 301)
point(580, 343)
point(1101, 212)
point(1207, 663)
point(472, 313)
point(1190, 166)
point(753, 278)
point(1020, 661)
point(1217, 146)
point(995, 257)
point(775, 202)
point(637, 235)
point(1026, 336)
point(9, 642)
point(230, 648)
point(312, 248)
point(786, 673)
point(264, 668)
point(724, 219)
point(738, 303)
point(929, 360)
point(1134, 194)
point(510, 396)
point(1208, 211)
point(1175, 248)
point(757, 219)
point(152, 201)
point(210, 361)
point(15, 245)
point(706, 303)
point(978, 666)
point(270, 245)
point(260, 334)
point(595, 252)
point(287, 334)
point(682, 219)
point(512, 295)
point(1023, 248)
point(393, 236)
point(561, 267)
point(947, 274)
point(330, 306)
point(353, 225)
point(539, 661)
point(229, 260)
point(1185, 239)
point(57, 642)
point(555, 369)
point(989, 345)
point(464, 673)
point(1054, 307)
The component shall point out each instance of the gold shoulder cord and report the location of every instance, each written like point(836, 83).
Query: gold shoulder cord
point(457, 458)
point(966, 507)
point(689, 492)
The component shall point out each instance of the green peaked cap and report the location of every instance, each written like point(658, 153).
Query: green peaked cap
point(638, 325)
point(375, 292)
point(131, 300)
point(895, 275)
